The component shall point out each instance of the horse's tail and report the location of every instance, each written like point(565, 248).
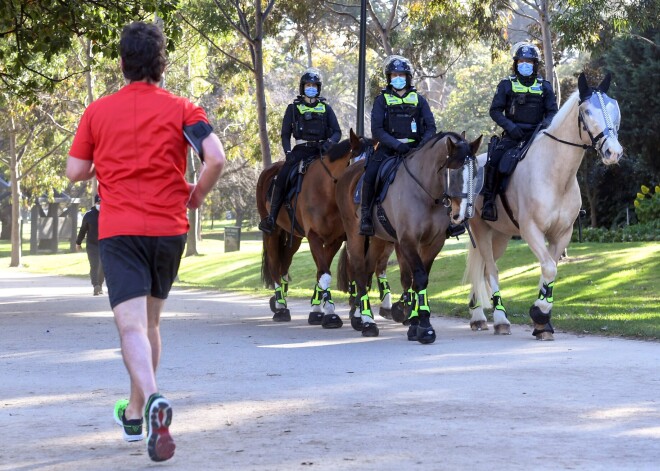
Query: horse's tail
point(266, 277)
point(474, 274)
point(342, 271)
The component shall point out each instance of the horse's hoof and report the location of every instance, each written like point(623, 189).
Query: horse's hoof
point(503, 329)
point(397, 312)
point(412, 332)
point(385, 312)
point(331, 321)
point(370, 329)
point(545, 336)
point(479, 325)
point(425, 335)
point(356, 323)
point(315, 318)
point(282, 315)
point(272, 304)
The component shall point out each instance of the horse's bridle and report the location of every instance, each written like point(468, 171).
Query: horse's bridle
point(611, 130)
point(368, 151)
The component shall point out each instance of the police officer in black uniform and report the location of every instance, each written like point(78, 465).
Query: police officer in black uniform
point(314, 126)
point(522, 101)
point(90, 229)
point(401, 120)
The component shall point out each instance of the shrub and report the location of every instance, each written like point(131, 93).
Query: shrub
point(647, 205)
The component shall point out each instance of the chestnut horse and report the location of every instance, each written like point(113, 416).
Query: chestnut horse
point(317, 218)
point(542, 203)
point(416, 206)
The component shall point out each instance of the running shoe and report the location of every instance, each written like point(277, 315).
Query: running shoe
point(158, 416)
point(132, 428)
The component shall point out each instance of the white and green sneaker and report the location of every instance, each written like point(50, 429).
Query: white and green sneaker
point(132, 428)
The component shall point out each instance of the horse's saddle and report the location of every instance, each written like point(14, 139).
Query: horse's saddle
point(384, 178)
point(293, 180)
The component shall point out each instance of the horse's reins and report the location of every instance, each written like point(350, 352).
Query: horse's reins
point(327, 170)
point(435, 200)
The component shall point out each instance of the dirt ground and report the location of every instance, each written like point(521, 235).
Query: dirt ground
point(250, 394)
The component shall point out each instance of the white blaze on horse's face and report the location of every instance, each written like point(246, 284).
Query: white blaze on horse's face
point(462, 185)
point(602, 117)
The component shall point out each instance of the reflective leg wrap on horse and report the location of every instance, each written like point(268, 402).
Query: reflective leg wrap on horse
point(497, 302)
point(545, 293)
point(369, 327)
point(316, 315)
point(420, 329)
point(539, 317)
point(285, 286)
point(383, 287)
point(278, 305)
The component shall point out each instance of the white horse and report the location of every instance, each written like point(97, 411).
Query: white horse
point(543, 197)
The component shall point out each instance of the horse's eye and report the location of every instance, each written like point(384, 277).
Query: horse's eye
point(587, 112)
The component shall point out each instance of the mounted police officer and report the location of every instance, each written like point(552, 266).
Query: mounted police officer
point(314, 126)
point(401, 120)
point(522, 102)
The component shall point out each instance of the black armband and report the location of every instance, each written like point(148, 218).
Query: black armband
point(195, 134)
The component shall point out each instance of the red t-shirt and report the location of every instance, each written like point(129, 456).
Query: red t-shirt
point(135, 138)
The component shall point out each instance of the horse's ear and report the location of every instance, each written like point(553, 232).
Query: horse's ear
point(450, 146)
point(605, 84)
point(463, 135)
point(474, 145)
point(583, 87)
point(355, 140)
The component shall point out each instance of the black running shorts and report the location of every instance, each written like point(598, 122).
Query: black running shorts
point(136, 266)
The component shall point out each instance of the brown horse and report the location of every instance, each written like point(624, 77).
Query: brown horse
point(542, 203)
point(416, 208)
point(317, 218)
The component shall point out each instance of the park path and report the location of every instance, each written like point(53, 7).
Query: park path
point(250, 394)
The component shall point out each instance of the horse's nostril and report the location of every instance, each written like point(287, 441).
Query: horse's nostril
point(455, 216)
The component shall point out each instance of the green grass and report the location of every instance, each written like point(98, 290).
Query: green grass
point(608, 289)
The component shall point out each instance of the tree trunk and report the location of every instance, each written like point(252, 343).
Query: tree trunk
point(261, 97)
point(15, 198)
point(546, 34)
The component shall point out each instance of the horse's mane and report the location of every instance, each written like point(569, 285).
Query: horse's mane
point(565, 109)
point(438, 136)
point(339, 150)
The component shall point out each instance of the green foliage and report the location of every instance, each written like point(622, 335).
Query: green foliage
point(647, 205)
point(648, 232)
point(35, 32)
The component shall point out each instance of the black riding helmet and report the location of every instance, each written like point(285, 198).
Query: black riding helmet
point(525, 50)
point(311, 75)
point(398, 64)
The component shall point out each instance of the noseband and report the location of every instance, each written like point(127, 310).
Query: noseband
point(582, 124)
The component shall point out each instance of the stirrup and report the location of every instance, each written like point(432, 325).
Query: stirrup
point(366, 227)
point(489, 212)
point(267, 224)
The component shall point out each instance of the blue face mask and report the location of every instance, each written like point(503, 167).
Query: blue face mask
point(311, 92)
point(525, 69)
point(398, 82)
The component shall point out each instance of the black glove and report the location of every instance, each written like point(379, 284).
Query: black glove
point(403, 148)
point(287, 155)
point(546, 123)
point(516, 133)
point(325, 147)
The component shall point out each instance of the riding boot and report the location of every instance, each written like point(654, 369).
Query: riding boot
point(267, 224)
point(489, 209)
point(366, 223)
